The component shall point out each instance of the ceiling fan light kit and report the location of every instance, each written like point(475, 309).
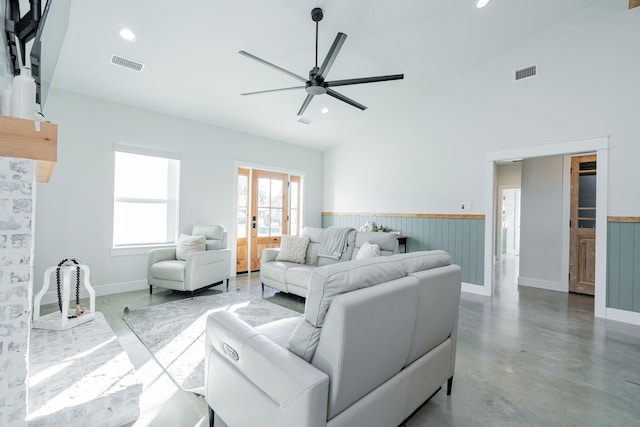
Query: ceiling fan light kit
point(317, 84)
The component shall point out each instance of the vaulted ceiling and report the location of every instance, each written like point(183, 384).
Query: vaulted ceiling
point(192, 68)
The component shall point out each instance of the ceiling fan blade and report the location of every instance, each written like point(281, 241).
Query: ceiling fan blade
point(331, 55)
point(343, 98)
point(364, 80)
point(305, 104)
point(269, 64)
point(273, 90)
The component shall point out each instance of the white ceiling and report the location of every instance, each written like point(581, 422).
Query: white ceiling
point(193, 69)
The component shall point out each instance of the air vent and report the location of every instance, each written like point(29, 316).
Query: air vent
point(126, 63)
point(526, 72)
point(304, 120)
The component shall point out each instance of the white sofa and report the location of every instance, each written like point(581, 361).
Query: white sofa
point(293, 278)
point(377, 339)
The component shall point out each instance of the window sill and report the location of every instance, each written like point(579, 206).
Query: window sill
point(137, 250)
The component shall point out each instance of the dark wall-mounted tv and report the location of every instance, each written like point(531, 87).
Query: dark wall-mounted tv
point(47, 44)
point(42, 32)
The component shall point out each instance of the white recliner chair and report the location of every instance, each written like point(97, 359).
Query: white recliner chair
point(200, 269)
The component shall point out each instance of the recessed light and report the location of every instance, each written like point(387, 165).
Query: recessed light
point(482, 3)
point(324, 110)
point(127, 34)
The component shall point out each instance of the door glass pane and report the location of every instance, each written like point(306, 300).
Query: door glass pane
point(264, 192)
point(293, 222)
point(587, 191)
point(242, 222)
point(294, 195)
point(243, 185)
point(264, 221)
point(276, 193)
point(276, 222)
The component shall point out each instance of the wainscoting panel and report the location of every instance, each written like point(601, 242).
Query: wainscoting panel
point(623, 263)
point(460, 235)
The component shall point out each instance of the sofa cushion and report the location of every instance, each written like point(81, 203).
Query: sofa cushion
point(388, 242)
point(168, 270)
point(331, 280)
point(368, 250)
point(293, 249)
point(188, 244)
point(214, 235)
point(424, 260)
point(299, 275)
point(314, 235)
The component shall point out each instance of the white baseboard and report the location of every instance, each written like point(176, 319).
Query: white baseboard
point(542, 284)
point(106, 289)
point(475, 289)
point(622, 316)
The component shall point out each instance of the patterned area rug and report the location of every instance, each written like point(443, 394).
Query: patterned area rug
point(174, 332)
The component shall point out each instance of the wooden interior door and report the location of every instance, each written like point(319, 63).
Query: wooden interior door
point(583, 225)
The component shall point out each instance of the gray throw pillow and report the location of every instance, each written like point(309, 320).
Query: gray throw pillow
point(293, 249)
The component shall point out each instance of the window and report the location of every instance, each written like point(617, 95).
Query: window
point(145, 202)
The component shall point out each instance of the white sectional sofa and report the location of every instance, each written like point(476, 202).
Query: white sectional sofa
point(293, 277)
point(377, 339)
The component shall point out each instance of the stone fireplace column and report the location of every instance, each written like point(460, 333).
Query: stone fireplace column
point(17, 206)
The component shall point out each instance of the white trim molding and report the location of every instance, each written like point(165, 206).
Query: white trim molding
point(475, 289)
point(622, 316)
point(541, 284)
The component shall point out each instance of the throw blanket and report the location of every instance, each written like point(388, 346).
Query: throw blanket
point(333, 242)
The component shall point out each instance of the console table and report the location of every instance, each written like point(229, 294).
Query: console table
point(402, 240)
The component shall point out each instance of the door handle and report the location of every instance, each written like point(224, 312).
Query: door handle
point(253, 225)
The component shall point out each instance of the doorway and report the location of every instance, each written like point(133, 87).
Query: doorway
point(268, 206)
point(596, 144)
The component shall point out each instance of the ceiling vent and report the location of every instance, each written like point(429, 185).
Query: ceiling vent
point(126, 63)
point(304, 120)
point(526, 72)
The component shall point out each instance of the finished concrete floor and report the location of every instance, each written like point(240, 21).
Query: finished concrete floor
point(525, 357)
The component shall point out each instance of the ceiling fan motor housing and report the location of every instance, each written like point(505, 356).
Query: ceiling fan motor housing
point(316, 14)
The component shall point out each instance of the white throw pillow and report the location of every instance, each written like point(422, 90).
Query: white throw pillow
point(293, 249)
point(368, 250)
point(188, 244)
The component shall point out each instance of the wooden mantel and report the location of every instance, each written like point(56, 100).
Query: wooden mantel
point(634, 3)
point(28, 139)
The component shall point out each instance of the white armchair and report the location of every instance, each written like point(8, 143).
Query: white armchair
point(200, 269)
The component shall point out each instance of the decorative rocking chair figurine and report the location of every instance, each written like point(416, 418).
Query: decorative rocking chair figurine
point(65, 318)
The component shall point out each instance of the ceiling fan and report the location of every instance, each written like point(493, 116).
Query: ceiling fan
point(316, 83)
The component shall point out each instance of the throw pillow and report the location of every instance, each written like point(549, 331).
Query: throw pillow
point(368, 250)
point(293, 249)
point(189, 244)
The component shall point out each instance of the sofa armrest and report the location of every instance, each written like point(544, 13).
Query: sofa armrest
point(206, 267)
point(269, 254)
point(160, 254)
point(288, 380)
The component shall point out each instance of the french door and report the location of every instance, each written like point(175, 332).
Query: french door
point(268, 207)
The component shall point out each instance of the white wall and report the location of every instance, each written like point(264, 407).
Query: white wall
point(587, 85)
point(541, 225)
point(75, 209)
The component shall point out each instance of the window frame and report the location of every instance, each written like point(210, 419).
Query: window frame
point(173, 203)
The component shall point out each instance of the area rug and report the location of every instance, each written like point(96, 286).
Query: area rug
point(174, 332)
